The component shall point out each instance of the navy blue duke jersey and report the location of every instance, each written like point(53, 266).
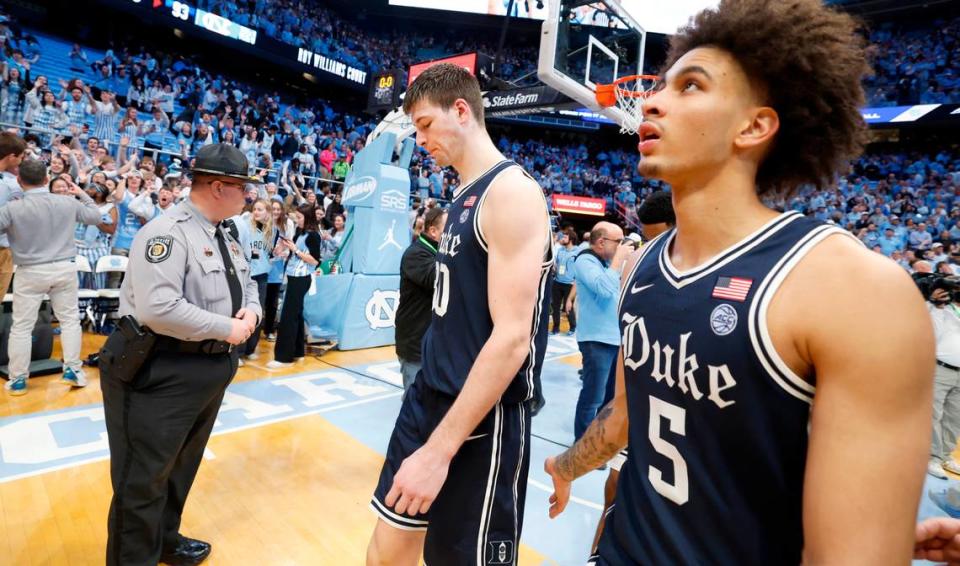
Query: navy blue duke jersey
point(461, 322)
point(718, 422)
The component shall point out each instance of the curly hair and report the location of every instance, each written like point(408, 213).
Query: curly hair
point(808, 60)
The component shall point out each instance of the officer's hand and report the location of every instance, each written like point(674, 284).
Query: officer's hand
point(239, 331)
point(249, 317)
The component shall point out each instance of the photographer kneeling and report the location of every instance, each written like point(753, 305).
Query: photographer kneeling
point(943, 301)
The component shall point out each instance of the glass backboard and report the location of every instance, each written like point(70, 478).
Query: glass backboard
point(586, 43)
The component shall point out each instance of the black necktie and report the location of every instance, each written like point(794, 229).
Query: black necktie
point(236, 292)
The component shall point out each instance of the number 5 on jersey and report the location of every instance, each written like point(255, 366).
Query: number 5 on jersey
point(441, 290)
point(679, 492)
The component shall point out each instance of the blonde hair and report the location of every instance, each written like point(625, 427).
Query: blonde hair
point(267, 224)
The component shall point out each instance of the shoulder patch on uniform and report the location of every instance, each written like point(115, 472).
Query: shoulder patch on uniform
point(159, 248)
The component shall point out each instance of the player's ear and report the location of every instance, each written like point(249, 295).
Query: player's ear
point(759, 130)
point(463, 110)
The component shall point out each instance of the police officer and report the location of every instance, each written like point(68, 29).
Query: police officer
point(189, 287)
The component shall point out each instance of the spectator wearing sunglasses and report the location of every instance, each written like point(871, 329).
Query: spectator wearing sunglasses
point(597, 275)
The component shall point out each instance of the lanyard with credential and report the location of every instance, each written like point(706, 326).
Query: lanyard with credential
point(426, 243)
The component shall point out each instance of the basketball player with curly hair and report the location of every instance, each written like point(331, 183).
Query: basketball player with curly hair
point(775, 377)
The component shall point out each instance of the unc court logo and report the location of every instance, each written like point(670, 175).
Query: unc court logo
point(500, 552)
point(723, 320)
point(381, 309)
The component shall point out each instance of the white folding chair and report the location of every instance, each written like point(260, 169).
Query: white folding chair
point(107, 302)
point(85, 297)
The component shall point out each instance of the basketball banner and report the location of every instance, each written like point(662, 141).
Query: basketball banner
point(579, 205)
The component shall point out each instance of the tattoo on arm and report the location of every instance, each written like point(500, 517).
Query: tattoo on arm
point(591, 451)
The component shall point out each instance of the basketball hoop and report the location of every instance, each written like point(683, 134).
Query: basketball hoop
point(628, 94)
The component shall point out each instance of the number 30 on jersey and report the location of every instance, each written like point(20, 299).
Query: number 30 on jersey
point(441, 290)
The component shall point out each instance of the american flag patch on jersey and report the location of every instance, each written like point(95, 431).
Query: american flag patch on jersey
point(470, 202)
point(733, 288)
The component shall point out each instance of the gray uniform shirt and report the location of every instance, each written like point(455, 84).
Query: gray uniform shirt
point(41, 225)
point(176, 283)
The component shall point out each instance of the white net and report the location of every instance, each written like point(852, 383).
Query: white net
point(630, 98)
point(632, 108)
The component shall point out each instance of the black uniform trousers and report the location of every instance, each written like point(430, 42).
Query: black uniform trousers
point(158, 427)
point(251, 346)
point(291, 337)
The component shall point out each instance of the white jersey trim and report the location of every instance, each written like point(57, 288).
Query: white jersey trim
point(477, 222)
point(763, 346)
point(537, 312)
point(680, 279)
point(643, 253)
point(462, 189)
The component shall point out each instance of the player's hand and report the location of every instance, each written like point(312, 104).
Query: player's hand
point(418, 481)
point(938, 540)
point(561, 488)
point(569, 306)
point(239, 331)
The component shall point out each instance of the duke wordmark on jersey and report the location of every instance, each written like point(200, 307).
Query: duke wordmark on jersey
point(637, 351)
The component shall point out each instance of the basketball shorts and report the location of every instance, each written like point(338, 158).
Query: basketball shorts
point(477, 516)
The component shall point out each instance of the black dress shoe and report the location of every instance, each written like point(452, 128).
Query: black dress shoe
point(186, 553)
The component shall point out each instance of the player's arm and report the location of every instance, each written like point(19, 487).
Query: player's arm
point(605, 436)
point(514, 222)
point(873, 356)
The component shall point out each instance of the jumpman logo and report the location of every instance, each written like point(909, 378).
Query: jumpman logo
point(388, 239)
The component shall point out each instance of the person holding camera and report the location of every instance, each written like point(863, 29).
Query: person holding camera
point(944, 309)
point(597, 273)
point(93, 241)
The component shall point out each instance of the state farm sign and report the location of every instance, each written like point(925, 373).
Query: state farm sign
point(579, 205)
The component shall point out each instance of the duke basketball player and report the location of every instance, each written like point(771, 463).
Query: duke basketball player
point(454, 481)
point(737, 320)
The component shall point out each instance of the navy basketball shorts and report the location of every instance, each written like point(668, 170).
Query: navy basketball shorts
point(477, 516)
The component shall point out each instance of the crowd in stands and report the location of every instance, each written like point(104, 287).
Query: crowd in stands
point(311, 25)
point(100, 126)
point(915, 65)
point(912, 65)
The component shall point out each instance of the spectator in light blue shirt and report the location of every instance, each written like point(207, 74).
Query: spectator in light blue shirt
point(920, 239)
point(889, 242)
point(563, 281)
point(597, 273)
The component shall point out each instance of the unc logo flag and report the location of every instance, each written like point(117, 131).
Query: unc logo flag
point(358, 305)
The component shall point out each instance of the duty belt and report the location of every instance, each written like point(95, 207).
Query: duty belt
point(170, 345)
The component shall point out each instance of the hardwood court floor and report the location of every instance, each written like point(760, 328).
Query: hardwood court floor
point(294, 492)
